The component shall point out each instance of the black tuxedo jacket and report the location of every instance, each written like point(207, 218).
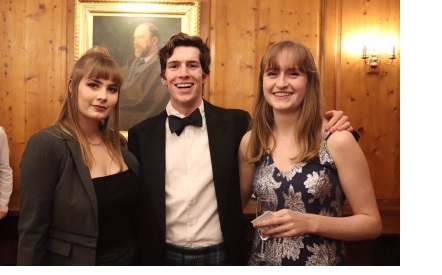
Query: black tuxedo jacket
point(147, 142)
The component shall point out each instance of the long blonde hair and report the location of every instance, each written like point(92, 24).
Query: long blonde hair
point(309, 127)
point(95, 63)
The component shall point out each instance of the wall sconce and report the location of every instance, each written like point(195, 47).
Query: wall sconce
point(373, 59)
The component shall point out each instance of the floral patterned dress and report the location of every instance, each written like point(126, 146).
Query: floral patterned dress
point(311, 187)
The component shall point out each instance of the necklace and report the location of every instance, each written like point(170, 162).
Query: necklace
point(97, 136)
point(95, 144)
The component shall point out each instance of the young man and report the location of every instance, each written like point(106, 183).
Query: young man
point(192, 212)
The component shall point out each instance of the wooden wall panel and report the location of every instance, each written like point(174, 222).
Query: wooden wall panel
point(34, 72)
point(232, 41)
point(40, 78)
point(372, 101)
point(240, 33)
point(12, 87)
point(45, 67)
point(329, 55)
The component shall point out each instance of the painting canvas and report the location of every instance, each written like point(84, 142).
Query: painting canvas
point(112, 24)
point(116, 33)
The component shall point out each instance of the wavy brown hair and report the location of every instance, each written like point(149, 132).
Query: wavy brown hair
point(96, 63)
point(309, 127)
point(183, 39)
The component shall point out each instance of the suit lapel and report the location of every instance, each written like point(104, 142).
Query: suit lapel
point(84, 173)
point(131, 161)
point(138, 70)
point(152, 148)
point(221, 143)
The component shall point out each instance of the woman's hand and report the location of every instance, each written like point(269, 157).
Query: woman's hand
point(285, 223)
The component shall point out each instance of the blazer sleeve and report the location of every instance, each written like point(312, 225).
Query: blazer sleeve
point(40, 167)
point(243, 118)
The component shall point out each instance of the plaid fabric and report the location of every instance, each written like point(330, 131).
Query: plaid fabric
point(210, 255)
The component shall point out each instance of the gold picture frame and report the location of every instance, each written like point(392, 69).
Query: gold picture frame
point(111, 23)
point(187, 12)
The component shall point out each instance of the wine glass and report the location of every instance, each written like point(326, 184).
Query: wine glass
point(263, 205)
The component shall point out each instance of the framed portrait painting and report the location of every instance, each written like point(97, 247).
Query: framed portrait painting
point(111, 23)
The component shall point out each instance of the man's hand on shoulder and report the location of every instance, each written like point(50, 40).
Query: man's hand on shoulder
point(337, 121)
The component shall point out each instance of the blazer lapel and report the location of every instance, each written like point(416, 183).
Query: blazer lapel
point(84, 173)
point(152, 148)
point(131, 161)
point(221, 143)
point(138, 70)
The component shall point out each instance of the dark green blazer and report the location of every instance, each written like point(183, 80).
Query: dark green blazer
point(58, 222)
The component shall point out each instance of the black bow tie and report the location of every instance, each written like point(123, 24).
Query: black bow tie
point(177, 124)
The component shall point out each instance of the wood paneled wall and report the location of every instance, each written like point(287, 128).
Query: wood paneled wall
point(34, 51)
point(37, 55)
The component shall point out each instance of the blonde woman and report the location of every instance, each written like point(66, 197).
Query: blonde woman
point(290, 158)
point(79, 184)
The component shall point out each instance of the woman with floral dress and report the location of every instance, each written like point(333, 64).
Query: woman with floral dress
point(288, 156)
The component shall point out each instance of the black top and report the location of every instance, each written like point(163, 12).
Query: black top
point(118, 198)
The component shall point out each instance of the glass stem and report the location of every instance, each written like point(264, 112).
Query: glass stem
point(262, 247)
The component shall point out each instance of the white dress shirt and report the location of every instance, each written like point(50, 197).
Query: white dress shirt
point(192, 218)
point(5, 169)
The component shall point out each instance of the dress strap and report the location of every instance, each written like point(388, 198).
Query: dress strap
point(326, 135)
point(354, 133)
